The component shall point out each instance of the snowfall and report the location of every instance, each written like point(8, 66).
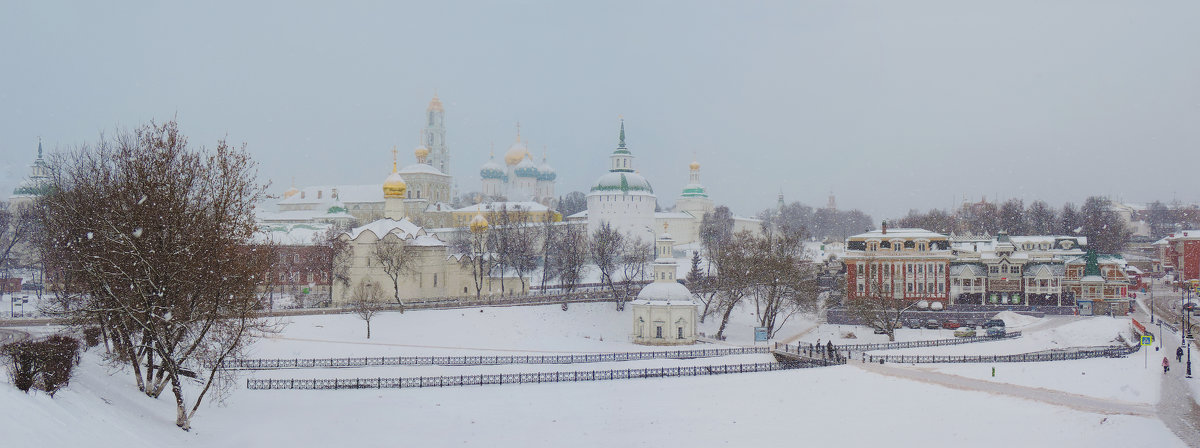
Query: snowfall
point(1095, 402)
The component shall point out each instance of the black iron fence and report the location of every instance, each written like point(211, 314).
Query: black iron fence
point(927, 343)
point(1108, 352)
point(322, 363)
point(522, 378)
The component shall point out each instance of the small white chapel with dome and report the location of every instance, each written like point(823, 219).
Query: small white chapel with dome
point(664, 312)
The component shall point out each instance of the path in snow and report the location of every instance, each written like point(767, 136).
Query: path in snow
point(389, 344)
point(8, 336)
point(1054, 397)
point(1176, 407)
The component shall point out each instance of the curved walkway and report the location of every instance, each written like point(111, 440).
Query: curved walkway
point(1049, 396)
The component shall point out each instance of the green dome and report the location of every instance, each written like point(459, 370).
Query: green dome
point(622, 182)
point(694, 191)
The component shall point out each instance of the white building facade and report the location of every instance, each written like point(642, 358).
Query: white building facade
point(664, 312)
point(622, 197)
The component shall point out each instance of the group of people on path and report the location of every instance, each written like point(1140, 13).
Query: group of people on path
point(1178, 358)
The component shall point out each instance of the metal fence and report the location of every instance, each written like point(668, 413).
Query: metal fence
point(521, 378)
point(927, 343)
point(322, 363)
point(1108, 352)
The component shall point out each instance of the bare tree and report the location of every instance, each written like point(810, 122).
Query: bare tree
point(16, 229)
point(572, 257)
point(551, 235)
point(605, 249)
point(367, 302)
point(153, 239)
point(333, 255)
point(396, 259)
point(521, 249)
point(783, 281)
point(716, 234)
point(633, 263)
point(733, 282)
point(472, 253)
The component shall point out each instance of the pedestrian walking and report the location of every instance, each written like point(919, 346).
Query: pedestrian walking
point(1166, 365)
point(1179, 354)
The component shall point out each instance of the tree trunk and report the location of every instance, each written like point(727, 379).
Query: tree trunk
point(725, 320)
point(181, 415)
point(368, 329)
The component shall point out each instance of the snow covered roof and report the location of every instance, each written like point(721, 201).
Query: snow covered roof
point(968, 270)
point(344, 193)
point(899, 233)
point(525, 206)
point(422, 168)
point(290, 235)
point(674, 215)
point(301, 215)
point(665, 293)
point(403, 228)
point(1044, 269)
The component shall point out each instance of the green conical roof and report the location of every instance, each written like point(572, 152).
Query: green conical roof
point(1093, 265)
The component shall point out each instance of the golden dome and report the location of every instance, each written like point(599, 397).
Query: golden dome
point(394, 186)
point(694, 165)
point(516, 153)
point(422, 152)
point(435, 103)
point(478, 223)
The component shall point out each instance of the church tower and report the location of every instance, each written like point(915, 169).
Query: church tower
point(433, 135)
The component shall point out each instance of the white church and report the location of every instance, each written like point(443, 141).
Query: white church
point(626, 201)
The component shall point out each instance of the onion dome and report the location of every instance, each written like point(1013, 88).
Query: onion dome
point(478, 223)
point(421, 152)
point(694, 166)
point(492, 170)
point(516, 153)
point(435, 104)
point(526, 168)
point(546, 172)
point(291, 192)
point(394, 186)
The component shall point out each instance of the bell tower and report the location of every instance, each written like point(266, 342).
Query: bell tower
point(433, 135)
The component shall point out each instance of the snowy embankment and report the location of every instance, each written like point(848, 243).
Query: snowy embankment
point(758, 409)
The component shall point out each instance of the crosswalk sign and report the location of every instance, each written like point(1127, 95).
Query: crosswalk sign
point(1147, 340)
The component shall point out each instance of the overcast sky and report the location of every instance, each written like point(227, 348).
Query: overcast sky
point(890, 105)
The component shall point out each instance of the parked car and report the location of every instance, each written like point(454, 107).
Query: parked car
point(993, 323)
point(913, 323)
point(995, 332)
point(964, 332)
point(950, 325)
point(932, 324)
point(879, 330)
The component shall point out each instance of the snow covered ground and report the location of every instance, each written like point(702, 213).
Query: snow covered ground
point(844, 405)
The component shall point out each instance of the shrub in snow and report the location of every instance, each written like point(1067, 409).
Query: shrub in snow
point(22, 364)
point(849, 335)
point(45, 365)
point(91, 336)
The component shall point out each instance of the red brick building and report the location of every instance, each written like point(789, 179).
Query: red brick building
point(913, 264)
point(1182, 254)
